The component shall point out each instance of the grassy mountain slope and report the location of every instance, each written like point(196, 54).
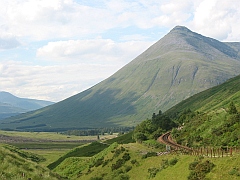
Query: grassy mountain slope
point(211, 99)
point(213, 125)
point(11, 105)
point(16, 164)
point(216, 120)
point(179, 65)
point(129, 161)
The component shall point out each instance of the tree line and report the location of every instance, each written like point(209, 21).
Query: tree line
point(98, 131)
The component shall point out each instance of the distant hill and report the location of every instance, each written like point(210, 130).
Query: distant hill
point(176, 67)
point(11, 105)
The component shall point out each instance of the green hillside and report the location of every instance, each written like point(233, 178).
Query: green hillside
point(213, 123)
point(210, 118)
point(17, 164)
point(212, 99)
point(129, 161)
point(176, 67)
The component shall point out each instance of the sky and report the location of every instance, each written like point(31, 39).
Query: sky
point(53, 49)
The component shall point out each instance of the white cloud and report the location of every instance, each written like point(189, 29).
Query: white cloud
point(52, 19)
point(70, 19)
point(78, 59)
point(100, 51)
point(52, 82)
point(85, 63)
point(218, 19)
point(66, 19)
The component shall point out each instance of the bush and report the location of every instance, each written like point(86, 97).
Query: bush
point(124, 177)
point(173, 161)
point(128, 168)
point(199, 169)
point(134, 161)
point(149, 154)
point(205, 167)
point(152, 172)
point(126, 157)
point(193, 165)
point(234, 171)
point(164, 163)
point(105, 162)
point(98, 162)
point(118, 164)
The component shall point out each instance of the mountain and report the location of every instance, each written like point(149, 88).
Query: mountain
point(211, 99)
point(176, 67)
point(210, 118)
point(11, 105)
point(210, 127)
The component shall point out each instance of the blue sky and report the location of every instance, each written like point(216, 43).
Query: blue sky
point(54, 49)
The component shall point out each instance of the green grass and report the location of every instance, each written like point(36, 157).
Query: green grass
point(82, 151)
point(47, 145)
point(16, 165)
point(52, 136)
point(212, 99)
point(122, 139)
point(100, 165)
point(51, 155)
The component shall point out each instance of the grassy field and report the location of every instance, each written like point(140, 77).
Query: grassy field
point(51, 136)
point(129, 161)
point(50, 145)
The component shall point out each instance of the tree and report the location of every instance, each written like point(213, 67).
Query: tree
point(232, 108)
point(139, 137)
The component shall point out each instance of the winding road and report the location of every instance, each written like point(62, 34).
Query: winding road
point(166, 139)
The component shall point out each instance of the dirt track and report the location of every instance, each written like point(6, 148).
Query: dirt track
point(166, 139)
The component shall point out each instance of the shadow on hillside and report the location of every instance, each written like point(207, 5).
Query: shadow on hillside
point(106, 104)
point(85, 110)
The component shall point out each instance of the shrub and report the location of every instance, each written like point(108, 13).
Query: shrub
point(98, 162)
point(105, 162)
point(205, 167)
point(164, 163)
point(118, 164)
point(124, 177)
point(119, 151)
point(126, 157)
point(128, 168)
point(152, 172)
point(234, 171)
point(199, 169)
point(173, 161)
point(149, 154)
point(134, 161)
point(193, 165)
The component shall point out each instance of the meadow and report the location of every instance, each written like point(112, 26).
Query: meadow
point(50, 145)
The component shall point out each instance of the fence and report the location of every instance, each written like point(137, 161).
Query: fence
point(212, 151)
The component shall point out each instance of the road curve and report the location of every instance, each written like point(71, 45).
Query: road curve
point(166, 139)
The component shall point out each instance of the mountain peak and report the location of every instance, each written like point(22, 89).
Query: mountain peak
point(180, 29)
